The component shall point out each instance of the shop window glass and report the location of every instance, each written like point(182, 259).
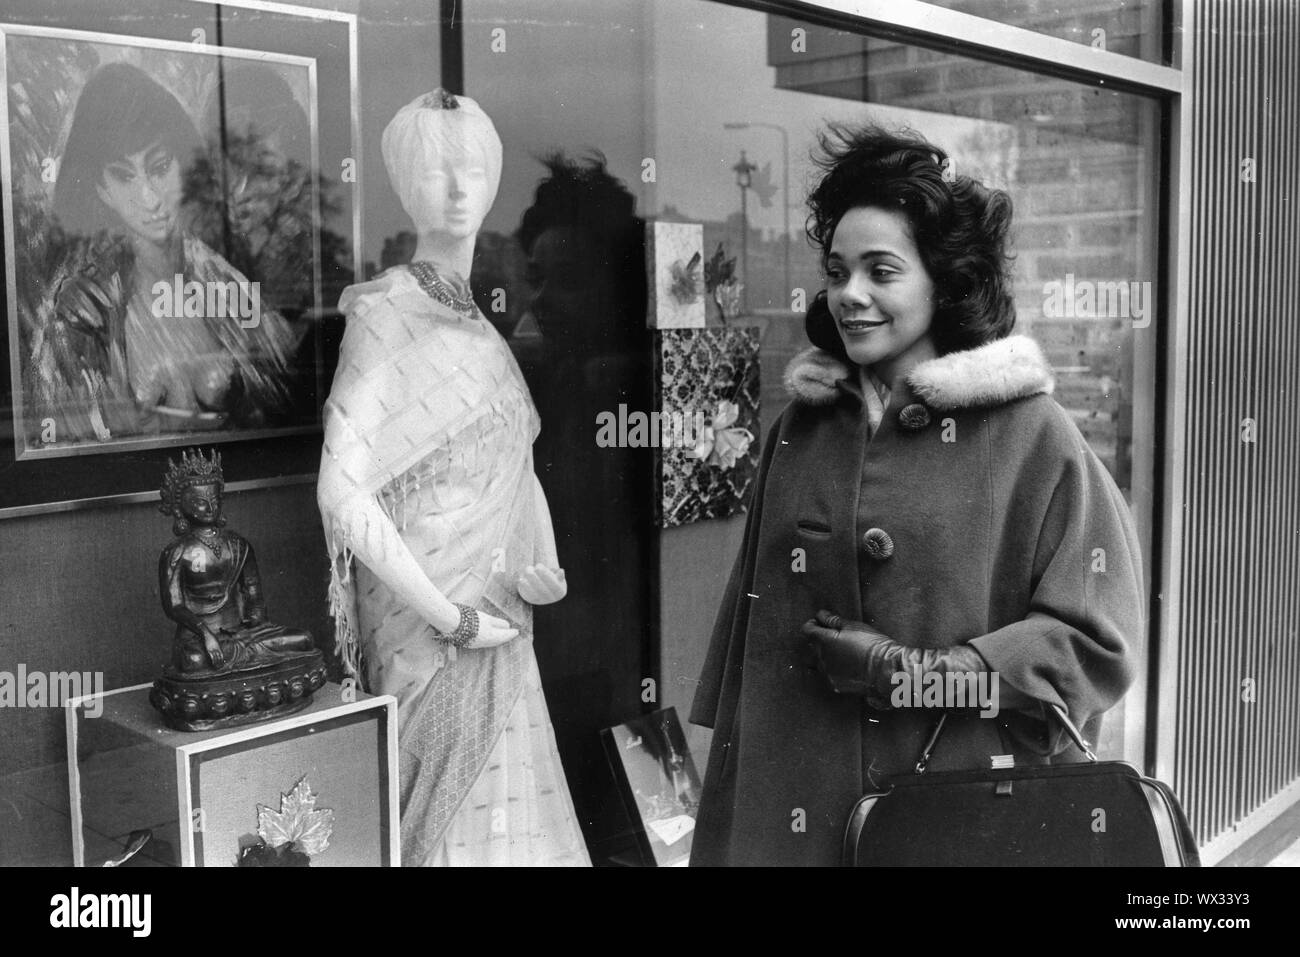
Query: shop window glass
point(674, 93)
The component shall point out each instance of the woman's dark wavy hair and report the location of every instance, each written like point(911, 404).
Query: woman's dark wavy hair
point(584, 195)
point(121, 110)
point(960, 229)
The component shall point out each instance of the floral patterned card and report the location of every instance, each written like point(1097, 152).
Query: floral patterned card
point(707, 383)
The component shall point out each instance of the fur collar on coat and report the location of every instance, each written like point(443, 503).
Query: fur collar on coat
point(988, 375)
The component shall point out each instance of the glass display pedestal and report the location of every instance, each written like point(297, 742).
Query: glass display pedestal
point(192, 798)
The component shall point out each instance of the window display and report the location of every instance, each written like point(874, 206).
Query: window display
point(508, 386)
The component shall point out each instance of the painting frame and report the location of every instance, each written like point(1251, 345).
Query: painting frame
point(34, 480)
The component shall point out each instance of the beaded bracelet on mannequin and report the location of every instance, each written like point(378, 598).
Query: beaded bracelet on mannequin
point(466, 629)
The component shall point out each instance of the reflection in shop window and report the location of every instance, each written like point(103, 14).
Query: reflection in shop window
point(726, 102)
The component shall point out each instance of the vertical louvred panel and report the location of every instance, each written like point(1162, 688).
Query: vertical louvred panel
point(1238, 727)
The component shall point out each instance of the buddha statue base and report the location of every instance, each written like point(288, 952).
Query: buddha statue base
point(212, 700)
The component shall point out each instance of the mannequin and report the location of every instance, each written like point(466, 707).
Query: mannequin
point(439, 534)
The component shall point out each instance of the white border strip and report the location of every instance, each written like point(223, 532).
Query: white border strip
point(1179, 244)
point(394, 807)
point(184, 810)
point(74, 783)
point(74, 769)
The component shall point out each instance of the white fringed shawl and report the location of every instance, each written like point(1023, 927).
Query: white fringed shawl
point(416, 379)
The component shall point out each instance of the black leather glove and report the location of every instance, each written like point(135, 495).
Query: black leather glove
point(858, 659)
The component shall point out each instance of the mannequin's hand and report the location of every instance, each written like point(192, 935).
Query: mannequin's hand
point(492, 631)
point(540, 585)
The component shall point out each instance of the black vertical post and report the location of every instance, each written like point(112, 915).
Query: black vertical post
point(452, 44)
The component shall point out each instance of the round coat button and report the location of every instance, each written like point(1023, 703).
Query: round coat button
point(914, 417)
point(877, 543)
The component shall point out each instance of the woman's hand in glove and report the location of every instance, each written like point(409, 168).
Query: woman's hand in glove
point(858, 659)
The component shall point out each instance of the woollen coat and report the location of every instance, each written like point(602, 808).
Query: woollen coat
point(1007, 533)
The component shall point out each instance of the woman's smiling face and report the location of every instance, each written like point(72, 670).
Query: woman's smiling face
point(879, 293)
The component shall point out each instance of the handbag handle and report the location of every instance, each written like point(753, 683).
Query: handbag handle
point(1073, 732)
point(1079, 741)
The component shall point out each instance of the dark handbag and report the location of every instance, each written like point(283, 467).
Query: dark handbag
point(1098, 814)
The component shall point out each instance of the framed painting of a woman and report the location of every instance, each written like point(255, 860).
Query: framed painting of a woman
point(165, 248)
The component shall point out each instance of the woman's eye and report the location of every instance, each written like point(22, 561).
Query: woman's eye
point(119, 174)
point(884, 274)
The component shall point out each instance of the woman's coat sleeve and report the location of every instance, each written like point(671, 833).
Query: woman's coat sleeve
point(1087, 604)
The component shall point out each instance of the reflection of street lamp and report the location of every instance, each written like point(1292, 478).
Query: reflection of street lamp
point(744, 179)
point(785, 187)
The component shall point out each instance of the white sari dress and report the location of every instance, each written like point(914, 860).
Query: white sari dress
point(429, 432)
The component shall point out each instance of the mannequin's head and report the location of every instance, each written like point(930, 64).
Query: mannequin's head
point(444, 160)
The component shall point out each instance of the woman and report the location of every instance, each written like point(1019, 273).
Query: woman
point(923, 507)
point(112, 357)
point(427, 481)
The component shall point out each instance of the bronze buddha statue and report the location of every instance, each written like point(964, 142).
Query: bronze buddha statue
point(230, 664)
